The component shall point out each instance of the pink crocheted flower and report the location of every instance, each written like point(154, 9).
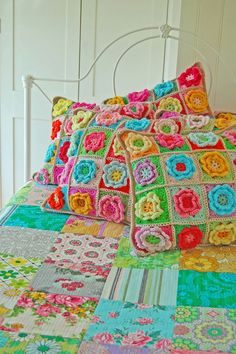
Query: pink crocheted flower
point(64, 177)
point(231, 136)
point(42, 176)
point(68, 126)
point(111, 208)
point(187, 203)
point(191, 77)
point(63, 151)
point(84, 105)
point(108, 118)
point(140, 96)
point(170, 141)
point(168, 114)
point(94, 141)
point(134, 110)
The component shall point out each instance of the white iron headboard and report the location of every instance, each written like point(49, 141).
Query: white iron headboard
point(163, 32)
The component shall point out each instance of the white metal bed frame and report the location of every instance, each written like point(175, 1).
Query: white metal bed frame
point(164, 32)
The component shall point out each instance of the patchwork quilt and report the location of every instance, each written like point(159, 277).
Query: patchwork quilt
point(72, 285)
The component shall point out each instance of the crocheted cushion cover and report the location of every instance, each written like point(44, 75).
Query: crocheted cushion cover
point(183, 189)
point(67, 116)
point(96, 183)
point(186, 94)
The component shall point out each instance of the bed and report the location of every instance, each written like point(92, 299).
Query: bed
point(73, 285)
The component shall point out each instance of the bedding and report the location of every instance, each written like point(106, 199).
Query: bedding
point(74, 285)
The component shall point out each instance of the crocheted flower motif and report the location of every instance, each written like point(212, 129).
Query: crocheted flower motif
point(111, 208)
point(117, 148)
point(137, 143)
point(170, 104)
point(197, 122)
point(224, 120)
point(68, 126)
point(134, 110)
point(223, 234)
point(187, 203)
point(94, 141)
point(180, 166)
point(64, 177)
point(152, 239)
point(115, 174)
point(42, 176)
point(84, 171)
point(140, 96)
point(74, 143)
point(56, 199)
point(148, 207)
point(115, 100)
point(108, 118)
point(231, 136)
point(138, 124)
point(61, 107)
point(145, 172)
point(63, 151)
point(170, 141)
point(222, 200)
point(81, 119)
point(196, 100)
point(163, 89)
point(168, 114)
point(203, 139)
point(166, 126)
point(191, 77)
point(83, 105)
point(56, 126)
point(81, 203)
point(50, 152)
point(214, 164)
point(189, 237)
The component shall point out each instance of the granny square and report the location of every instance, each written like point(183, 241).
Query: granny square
point(181, 197)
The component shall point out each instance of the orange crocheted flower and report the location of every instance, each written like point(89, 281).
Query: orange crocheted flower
point(214, 164)
point(223, 234)
point(115, 100)
point(56, 126)
point(81, 203)
point(56, 199)
point(224, 120)
point(196, 100)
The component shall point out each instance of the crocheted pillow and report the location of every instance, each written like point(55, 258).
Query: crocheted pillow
point(67, 116)
point(186, 94)
point(224, 120)
point(183, 189)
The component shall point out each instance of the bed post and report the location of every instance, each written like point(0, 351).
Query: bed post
point(27, 81)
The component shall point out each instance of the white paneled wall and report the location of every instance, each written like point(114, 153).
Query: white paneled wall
point(60, 39)
point(213, 21)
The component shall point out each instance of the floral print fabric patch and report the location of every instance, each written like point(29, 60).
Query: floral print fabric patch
point(183, 188)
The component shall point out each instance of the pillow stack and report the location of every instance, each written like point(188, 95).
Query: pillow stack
point(157, 159)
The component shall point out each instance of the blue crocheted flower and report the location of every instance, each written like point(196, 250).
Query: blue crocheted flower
point(222, 200)
point(50, 152)
point(115, 174)
point(84, 171)
point(203, 139)
point(164, 88)
point(74, 143)
point(138, 124)
point(180, 166)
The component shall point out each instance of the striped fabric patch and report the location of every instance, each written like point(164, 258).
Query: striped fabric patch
point(147, 286)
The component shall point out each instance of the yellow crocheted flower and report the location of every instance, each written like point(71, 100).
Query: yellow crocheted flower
point(117, 148)
point(196, 100)
point(81, 119)
point(170, 104)
point(223, 234)
point(137, 143)
point(200, 264)
point(148, 207)
point(61, 107)
point(115, 100)
point(224, 120)
point(81, 203)
point(214, 164)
